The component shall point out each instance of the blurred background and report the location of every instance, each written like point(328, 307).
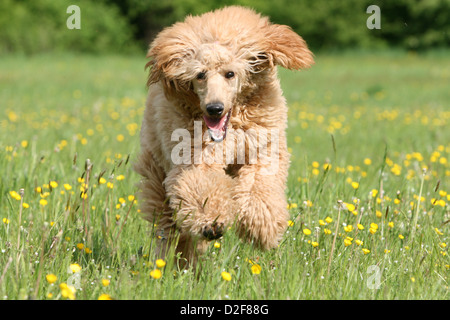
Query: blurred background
point(126, 26)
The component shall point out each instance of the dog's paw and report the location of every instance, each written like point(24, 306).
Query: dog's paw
point(213, 231)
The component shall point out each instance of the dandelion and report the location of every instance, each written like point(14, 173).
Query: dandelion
point(51, 278)
point(307, 232)
point(226, 276)
point(67, 292)
point(105, 282)
point(156, 274)
point(256, 269)
point(160, 263)
point(75, 267)
point(117, 215)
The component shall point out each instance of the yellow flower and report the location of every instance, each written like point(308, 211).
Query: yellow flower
point(307, 232)
point(378, 214)
point(359, 242)
point(25, 205)
point(5, 220)
point(105, 296)
point(347, 242)
point(120, 137)
point(315, 244)
point(367, 161)
point(327, 231)
point(442, 245)
point(110, 185)
point(290, 223)
point(391, 224)
point(374, 193)
point(101, 180)
point(256, 269)
point(75, 267)
point(131, 198)
point(67, 291)
point(105, 282)
point(160, 263)
point(348, 228)
point(216, 244)
point(365, 251)
point(438, 232)
point(360, 226)
point(43, 202)
point(401, 237)
point(15, 195)
point(355, 185)
point(51, 278)
point(53, 184)
point(226, 276)
point(387, 250)
point(87, 250)
point(80, 246)
point(322, 223)
point(328, 220)
point(67, 186)
point(156, 274)
point(120, 177)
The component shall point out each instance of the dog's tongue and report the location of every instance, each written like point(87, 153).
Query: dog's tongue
point(216, 127)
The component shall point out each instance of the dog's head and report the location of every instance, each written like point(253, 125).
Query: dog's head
point(208, 60)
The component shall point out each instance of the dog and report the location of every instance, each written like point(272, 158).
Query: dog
point(213, 80)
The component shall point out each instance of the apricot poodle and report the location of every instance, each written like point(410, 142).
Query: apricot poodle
point(213, 142)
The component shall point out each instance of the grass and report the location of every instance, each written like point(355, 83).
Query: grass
point(369, 186)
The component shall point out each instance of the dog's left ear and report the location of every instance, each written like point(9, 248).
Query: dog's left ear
point(287, 48)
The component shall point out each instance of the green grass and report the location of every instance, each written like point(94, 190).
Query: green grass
point(358, 122)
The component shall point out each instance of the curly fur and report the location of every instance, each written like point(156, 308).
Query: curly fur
point(190, 202)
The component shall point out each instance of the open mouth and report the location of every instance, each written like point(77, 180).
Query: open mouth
point(217, 127)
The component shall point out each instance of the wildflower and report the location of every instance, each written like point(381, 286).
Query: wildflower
point(117, 215)
point(367, 161)
point(101, 180)
point(80, 246)
point(401, 237)
point(328, 220)
point(43, 202)
point(348, 228)
point(374, 193)
point(53, 184)
point(51, 278)
point(290, 223)
point(327, 231)
point(378, 214)
point(438, 231)
point(314, 244)
point(355, 185)
point(391, 224)
point(322, 223)
point(87, 250)
point(15, 195)
point(67, 291)
point(160, 263)
point(347, 242)
point(25, 205)
point(442, 245)
point(67, 186)
point(75, 267)
point(292, 206)
point(365, 251)
point(226, 276)
point(5, 220)
point(256, 269)
point(120, 137)
point(131, 198)
point(360, 226)
point(307, 232)
point(105, 296)
point(387, 250)
point(216, 244)
point(413, 279)
point(110, 185)
point(120, 177)
point(359, 242)
point(156, 274)
point(105, 282)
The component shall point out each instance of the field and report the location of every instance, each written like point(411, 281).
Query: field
point(369, 185)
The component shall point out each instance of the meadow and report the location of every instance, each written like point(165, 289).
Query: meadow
point(368, 190)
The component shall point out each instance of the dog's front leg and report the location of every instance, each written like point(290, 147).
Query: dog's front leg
point(200, 196)
point(262, 205)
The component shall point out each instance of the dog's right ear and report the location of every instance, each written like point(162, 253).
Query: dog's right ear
point(167, 53)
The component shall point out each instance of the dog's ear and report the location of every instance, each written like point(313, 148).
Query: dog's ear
point(287, 48)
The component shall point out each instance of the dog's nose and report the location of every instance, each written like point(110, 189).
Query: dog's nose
point(214, 109)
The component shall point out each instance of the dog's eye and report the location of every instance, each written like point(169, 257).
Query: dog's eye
point(229, 74)
point(201, 76)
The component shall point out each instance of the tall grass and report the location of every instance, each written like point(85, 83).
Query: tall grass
point(368, 187)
